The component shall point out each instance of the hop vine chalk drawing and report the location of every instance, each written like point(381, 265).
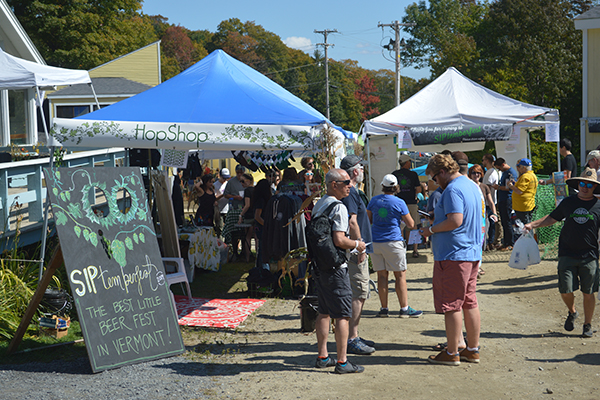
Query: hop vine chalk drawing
point(114, 265)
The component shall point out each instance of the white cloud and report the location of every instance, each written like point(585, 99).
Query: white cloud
point(299, 43)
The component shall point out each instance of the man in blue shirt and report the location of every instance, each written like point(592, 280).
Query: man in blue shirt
point(509, 175)
point(456, 243)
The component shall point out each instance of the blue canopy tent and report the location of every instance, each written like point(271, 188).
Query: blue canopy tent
point(217, 104)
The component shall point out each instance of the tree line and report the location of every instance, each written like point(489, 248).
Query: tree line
point(525, 49)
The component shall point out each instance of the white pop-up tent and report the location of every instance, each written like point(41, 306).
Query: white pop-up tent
point(16, 73)
point(455, 113)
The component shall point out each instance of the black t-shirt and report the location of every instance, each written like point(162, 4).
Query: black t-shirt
point(571, 164)
point(248, 192)
point(579, 235)
point(408, 181)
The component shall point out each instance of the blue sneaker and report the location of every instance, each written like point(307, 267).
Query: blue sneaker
point(367, 342)
point(410, 313)
point(356, 346)
point(324, 363)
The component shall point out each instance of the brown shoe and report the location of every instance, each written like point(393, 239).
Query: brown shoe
point(444, 358)
point(469, 356)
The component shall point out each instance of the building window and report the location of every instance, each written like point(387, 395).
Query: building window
point(17, 116)
point(71, 111)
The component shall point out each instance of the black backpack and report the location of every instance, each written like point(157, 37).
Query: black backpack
point(319, 241)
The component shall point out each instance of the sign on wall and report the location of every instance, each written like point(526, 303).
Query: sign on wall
point(114, 265)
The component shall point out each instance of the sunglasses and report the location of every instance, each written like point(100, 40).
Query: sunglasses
point(346, 182)
point(434, 176)
point(588, 185)
point(309, 174)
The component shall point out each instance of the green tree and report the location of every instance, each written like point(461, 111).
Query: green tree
point(84, 34)
point(443, 34)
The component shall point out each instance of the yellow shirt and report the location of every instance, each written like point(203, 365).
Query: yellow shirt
point(527, 183)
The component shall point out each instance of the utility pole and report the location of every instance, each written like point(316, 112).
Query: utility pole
point(325, 32)
point(397, 44)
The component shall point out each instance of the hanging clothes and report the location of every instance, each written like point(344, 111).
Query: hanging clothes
point(280, 239)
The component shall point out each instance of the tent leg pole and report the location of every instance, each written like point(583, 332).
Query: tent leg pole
point(47, 206)
point(368, 146)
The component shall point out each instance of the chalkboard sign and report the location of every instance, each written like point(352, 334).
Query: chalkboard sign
point(114, 265)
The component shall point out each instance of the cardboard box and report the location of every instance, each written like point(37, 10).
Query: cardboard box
point(57, 333)
point(55, 326)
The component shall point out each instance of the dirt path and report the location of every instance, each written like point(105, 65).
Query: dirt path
point(525, 353)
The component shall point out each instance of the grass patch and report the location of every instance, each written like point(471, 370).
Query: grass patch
point(34, 347)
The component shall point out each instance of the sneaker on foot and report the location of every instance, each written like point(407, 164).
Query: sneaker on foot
point(357, 346)
point(348, 368)
point(411, 312)
point(325, 362)
point(383, 313)
point(367, 342)
point(469, 356)
point(587, 330)
point(569, 326)
point(444, 358)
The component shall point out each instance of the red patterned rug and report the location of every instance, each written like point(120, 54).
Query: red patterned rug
point(216, 313)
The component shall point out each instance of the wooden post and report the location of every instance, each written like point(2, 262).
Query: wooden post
point(55, 263)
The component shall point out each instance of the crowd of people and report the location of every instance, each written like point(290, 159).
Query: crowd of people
point(468, 211)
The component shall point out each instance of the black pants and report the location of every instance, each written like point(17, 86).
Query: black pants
point(505, 209)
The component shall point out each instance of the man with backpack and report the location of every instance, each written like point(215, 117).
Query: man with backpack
point(331, 271)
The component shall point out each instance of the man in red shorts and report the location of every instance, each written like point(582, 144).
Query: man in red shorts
point(456, 243)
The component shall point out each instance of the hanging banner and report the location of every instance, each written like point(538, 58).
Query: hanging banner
point(553, 132)
point(458, 134)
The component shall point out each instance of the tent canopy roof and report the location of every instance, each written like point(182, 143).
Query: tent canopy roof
point(16, 73)
point(217, 90)
point(453, 100)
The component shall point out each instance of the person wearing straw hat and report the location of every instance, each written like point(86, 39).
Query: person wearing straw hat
point(577, 246)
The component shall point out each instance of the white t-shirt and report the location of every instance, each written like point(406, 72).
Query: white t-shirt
point(492, 177)
point(223, 203)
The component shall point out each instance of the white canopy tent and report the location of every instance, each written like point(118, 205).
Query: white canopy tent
point(16, 73)
point(455, 113)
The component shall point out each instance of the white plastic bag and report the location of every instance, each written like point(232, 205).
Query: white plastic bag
point(525, 252)
point(518, 257)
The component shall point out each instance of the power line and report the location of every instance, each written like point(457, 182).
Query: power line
point(325, 32)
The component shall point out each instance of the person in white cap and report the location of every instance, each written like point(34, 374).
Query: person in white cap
point(577, 246)
point(386, 212)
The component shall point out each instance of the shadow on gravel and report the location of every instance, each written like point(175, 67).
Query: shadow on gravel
point(585, 359)
point(74, 367)
point(284, 317)
point(517, 285)
point(224, 369)
point(439, 334)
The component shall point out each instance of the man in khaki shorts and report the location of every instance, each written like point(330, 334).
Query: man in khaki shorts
point(358, 265)
point(408, 187)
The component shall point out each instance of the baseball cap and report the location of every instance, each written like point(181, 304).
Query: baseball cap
point(460, 157)
point(225, 173)
point(389, 180)
point(592, 154)
point(524, 162)
point(404, 158)
point(350, 161)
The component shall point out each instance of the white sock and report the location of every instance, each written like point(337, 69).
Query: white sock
point(404, 308)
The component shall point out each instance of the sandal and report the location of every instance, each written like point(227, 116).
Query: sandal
point(415, 254)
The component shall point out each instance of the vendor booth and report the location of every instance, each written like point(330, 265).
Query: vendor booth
point(454, 113)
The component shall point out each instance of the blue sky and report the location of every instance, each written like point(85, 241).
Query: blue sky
point(358, 36)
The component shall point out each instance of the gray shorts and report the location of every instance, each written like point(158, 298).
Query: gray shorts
point(359, 277)
point(334, 293)
point(576, 273)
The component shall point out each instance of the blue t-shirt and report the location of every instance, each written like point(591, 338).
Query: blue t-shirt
point(463, 243)
point(508, 175)
point(387, 215)
point(356, 205)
